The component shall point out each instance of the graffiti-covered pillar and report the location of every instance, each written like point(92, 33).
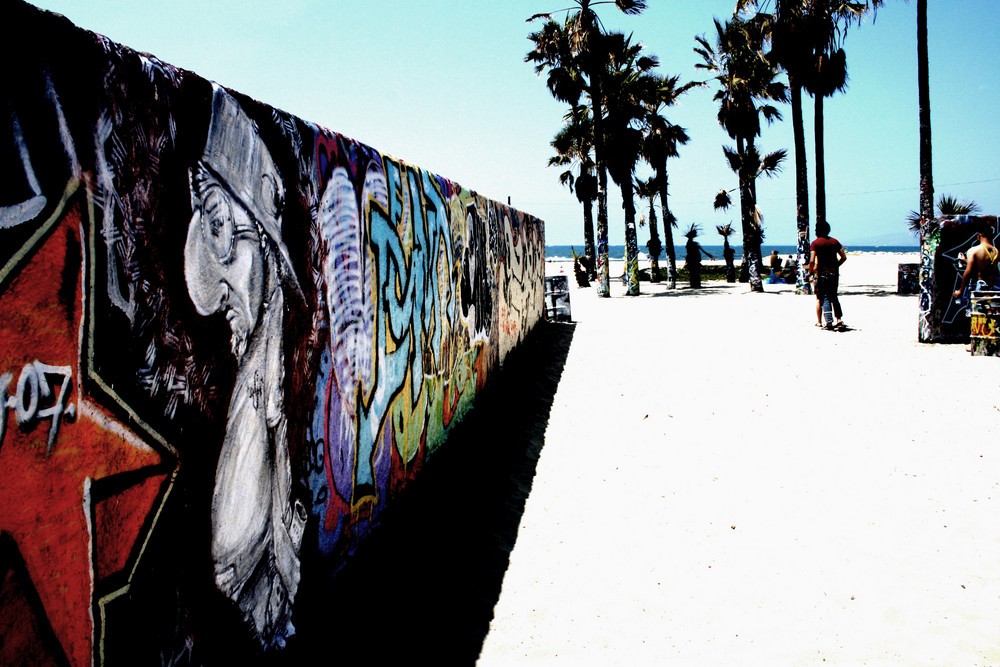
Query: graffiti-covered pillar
point(943, 317)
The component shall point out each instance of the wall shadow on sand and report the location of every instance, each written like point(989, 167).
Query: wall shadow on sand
point(422, 587)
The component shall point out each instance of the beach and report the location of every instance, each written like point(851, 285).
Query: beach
point(722, 482)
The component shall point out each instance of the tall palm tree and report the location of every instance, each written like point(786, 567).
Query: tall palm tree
point(806, 38)
point(583, 28)
point(829, 76)
point(754, 164)
point(726, 231)
point(626, 80)
point(574, 147)
point(659, 144)
point(828, 21)
point(791, 50)
point(746, 82)
point(923, 84)
point(649, 189)
point(927, 296)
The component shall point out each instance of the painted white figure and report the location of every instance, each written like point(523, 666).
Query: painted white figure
point(236, 263)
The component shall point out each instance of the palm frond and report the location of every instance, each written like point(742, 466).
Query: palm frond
point(735, 159)
point(770, 113)
point(722, 200)
point(567, 179)
point(949, 205)
point(631, 7)
point(688, 86)
point(770, 165)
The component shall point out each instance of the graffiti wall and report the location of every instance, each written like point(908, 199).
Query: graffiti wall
point(229, 338)
point(944, 317)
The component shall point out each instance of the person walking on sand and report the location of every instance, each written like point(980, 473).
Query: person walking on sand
point(982, 261)
point(825, 257)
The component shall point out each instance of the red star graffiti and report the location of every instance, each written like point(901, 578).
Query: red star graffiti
point(80, 489)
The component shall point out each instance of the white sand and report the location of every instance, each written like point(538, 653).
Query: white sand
point(723, 483)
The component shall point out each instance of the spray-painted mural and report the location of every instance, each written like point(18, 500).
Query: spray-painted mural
point(228, 339)
point(943, 317)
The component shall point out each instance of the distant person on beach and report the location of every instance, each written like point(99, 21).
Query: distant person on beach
point(693, 259)
point(788, 269)
point(775, 264)
point(981, 262)
point(825, 257)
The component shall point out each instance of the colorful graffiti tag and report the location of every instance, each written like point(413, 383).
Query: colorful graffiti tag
point(229, 338)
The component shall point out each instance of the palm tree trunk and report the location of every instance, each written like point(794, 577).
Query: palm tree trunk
point(588, 238)
point(668, 232)
point(751, 236)
point(926, 173)
point(927, 291)
point(631, 240)
point(654, 244)
point(603, 276)
point(802, 284)
point(820, 169)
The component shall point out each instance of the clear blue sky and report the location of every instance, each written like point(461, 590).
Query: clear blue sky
point(444, 85)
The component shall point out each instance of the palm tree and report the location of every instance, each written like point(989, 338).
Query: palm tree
point(927, 298)
point(828, 21)
point(745, 78)
point(947, 206)
point(926, 170)
point(659, 144)
point(582, 29)
point(727, 252)
point(791, 50)
point(828, 77)
point(574, 146)
point(806, 38)
point(752, 163)
point(648, 189)
point(626, 80)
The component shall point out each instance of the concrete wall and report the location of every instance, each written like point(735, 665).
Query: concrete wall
point(229, 338)
point(943, 318)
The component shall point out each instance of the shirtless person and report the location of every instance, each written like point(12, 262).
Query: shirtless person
point(982, 262)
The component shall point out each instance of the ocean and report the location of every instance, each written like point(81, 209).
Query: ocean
point(617, 252)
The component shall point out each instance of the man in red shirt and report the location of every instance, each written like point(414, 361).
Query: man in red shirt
point(825, 257)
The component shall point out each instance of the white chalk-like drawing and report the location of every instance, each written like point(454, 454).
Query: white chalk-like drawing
point(236, 263)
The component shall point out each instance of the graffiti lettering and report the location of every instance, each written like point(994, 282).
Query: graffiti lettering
point(30, 398)
point(983, 326)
